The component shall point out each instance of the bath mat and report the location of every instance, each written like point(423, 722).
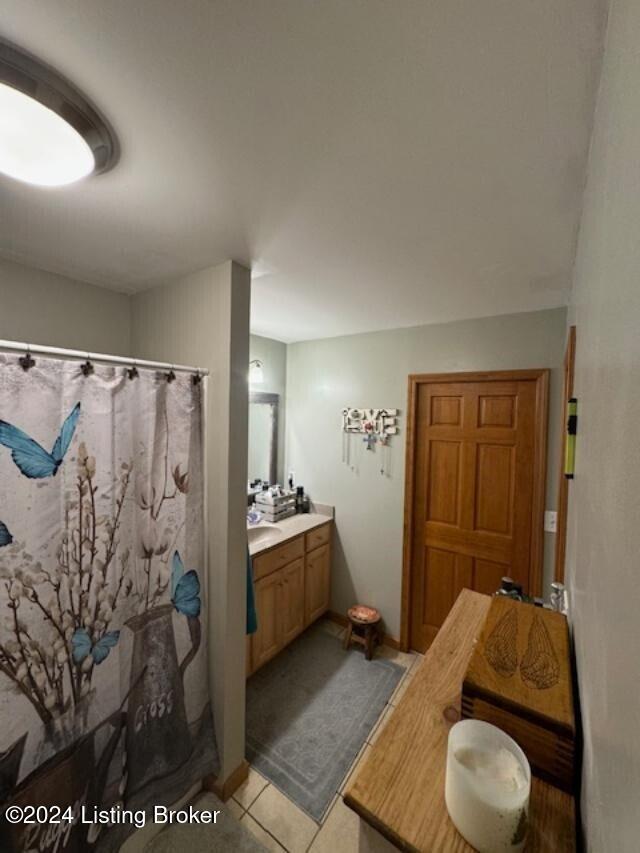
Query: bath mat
point(309, 712)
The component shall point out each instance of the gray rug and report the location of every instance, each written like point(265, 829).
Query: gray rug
point(309, 712)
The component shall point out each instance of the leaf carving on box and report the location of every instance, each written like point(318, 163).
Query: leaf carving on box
point(540, 667)
point(501, 649)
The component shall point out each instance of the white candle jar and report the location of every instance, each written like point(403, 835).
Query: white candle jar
point(487, 787)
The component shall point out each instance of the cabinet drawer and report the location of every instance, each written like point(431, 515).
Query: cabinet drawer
point(264, 564)
point(319, 536)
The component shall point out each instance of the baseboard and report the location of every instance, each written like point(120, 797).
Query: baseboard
point(227, 788)
point(339, 619)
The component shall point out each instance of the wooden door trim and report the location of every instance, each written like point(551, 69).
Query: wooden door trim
point(541, 378)
point(563, 484)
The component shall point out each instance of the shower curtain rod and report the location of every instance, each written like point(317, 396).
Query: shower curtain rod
point(39, 349)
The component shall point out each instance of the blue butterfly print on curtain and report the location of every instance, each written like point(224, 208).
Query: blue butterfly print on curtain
point(185, 588)
point(5, 537)
point(30, 457)
point(83, 647)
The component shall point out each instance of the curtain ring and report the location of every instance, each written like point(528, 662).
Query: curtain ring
point(170, 376)
point(196, 379)
point(132, 371)
point(26, 361)
point(87, 368)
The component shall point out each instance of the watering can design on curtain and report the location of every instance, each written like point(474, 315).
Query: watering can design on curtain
point(71, 778)
point(158, 740)
point(10, 767)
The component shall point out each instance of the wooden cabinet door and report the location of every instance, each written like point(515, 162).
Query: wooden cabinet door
point(317, 583)
point(292, 600)
point(267, 641)
point(478, 481)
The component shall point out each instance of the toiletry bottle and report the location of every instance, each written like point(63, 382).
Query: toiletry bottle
point(511, 589)
point(299, 498)
point(506, 587)
point(558, 598)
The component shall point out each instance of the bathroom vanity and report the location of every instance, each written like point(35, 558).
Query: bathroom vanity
point(292, 578)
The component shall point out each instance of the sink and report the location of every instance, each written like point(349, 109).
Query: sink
point(262, 533)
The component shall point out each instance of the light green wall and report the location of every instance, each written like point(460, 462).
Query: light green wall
point(203, 320)
point(371, 370)
point(603, 545)
point(273, 354)
point(38, 307)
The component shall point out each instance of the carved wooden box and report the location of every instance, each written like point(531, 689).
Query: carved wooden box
point(519, 679)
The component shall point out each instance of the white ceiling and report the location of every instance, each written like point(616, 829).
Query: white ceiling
point(379, 163)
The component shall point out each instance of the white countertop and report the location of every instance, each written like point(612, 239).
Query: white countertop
point(285, 530)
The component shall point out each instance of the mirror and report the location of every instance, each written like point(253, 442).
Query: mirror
point(263, 436)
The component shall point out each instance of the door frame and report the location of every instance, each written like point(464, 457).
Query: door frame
point(563, 482)
point(541, 378)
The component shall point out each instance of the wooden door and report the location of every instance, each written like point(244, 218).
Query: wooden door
point(292, 600)
point(476, 465)
point(317, 583)
point(267, 641)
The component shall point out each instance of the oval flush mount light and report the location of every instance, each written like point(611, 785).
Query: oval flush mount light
point(50, 135)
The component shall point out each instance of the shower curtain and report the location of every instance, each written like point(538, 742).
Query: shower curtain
point(104, 697)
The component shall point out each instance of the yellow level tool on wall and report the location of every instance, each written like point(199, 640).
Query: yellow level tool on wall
point(570, 446)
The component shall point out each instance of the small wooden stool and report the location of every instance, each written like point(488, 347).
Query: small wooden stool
point(363, 628)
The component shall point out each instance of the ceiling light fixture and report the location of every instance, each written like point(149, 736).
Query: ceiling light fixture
point(50, 135)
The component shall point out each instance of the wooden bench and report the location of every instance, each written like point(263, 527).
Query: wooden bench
point(399, 790)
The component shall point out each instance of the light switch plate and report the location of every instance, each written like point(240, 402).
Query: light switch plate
point(550, 521)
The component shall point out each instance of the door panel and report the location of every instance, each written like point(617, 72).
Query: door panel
point(267, 641)
point(446, 411)
point(472, 507)
point(487, 575)
point(497, 411)
point(495, 470)
point(447, 573)
point(292, 601)
point(317, 583)
point(444, 481)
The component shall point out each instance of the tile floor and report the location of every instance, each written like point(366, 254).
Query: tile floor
point(279, 824)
